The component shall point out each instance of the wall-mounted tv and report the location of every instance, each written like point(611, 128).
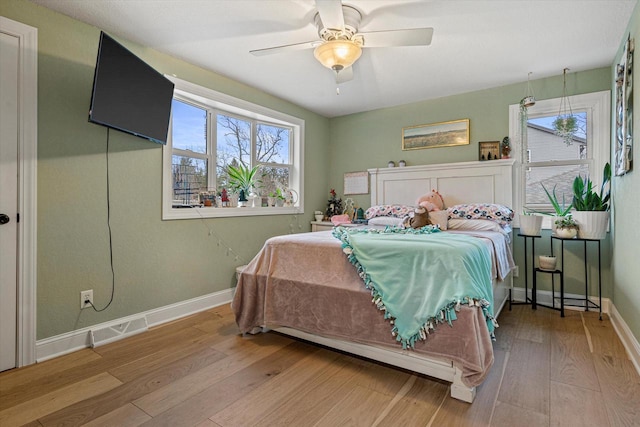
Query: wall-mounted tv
point(128, 94)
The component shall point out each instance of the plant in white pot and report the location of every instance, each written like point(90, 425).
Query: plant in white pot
point(566, 227)
point(530, 224)
point(591, 207)
point(560, 210)
point(242, 180)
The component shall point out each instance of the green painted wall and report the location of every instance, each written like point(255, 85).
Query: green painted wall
point(371, 139)
point(156, 262)
point(626, 203)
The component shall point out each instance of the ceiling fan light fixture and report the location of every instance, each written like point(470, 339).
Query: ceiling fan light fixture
point(338, 54)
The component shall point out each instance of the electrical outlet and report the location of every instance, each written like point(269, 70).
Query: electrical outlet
point(86, 298)
point(516, 271)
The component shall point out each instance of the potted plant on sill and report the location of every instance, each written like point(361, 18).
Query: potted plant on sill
point(243, 179)
point(560, 210)
point(566, 227)
point(591, 207)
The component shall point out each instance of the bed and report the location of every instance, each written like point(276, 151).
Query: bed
point(304, 286)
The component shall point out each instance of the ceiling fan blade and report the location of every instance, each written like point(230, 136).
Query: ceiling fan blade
point(344, 75)
point(330, 12)
point(410, 37)
point(285, 48)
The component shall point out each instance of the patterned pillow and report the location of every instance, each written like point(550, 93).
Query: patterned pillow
point(398, 211)
point(492, 212)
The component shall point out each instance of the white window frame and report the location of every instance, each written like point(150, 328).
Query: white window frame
point(246, 110)
point(598, 108)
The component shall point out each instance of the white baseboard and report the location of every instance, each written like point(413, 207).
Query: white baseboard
point(59, 345)
point(628, 340)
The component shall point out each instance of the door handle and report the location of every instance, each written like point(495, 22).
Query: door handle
point(4, 219)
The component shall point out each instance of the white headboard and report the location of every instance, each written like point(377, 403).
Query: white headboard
point(465, 182)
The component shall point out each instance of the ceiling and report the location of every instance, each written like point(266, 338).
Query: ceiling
point(476, 44)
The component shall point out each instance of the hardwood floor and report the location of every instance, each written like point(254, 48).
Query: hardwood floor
point(198, 371)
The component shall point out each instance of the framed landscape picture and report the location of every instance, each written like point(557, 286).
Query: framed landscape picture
point(444, 134)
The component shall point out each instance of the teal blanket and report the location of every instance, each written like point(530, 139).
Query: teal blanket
point(419, 278)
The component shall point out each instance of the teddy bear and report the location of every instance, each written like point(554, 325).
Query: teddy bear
point(431, 201)
point(418, 218)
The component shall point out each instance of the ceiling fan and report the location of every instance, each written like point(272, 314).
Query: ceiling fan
point(340, 44)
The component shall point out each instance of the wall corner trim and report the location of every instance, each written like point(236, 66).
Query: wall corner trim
point(629, 342)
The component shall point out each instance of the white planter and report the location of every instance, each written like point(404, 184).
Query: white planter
point(547, 262)
point(566, 233)
point(530, 224)
point(593, 224)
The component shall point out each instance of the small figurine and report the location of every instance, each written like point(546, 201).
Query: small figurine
point(391, 164)
point(402, 163)
point(225, 197)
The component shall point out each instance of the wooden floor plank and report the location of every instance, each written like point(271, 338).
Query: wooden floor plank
point(571, 358)
point(603, 337)
point(360, 407)
point(526, 380)
point(505, 415)
point(571, 405)
point(57, 400)
point(311, 402)
point(455, 413)
point(36, 372)
point(279, 390)
point(418, 405)
point(172, 375)
point(240, 354)
point(620, 384)
point(213, 399)
point(125, 416)
point(96, 406)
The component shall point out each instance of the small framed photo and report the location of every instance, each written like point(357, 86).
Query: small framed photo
point(444, 134)
point(489, 150)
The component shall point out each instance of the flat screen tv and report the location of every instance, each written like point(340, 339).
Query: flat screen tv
point(128, 94)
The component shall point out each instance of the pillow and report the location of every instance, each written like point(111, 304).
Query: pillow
point(399, 211)
point(474, 225)
point(485, 211)
point(386, 220)
point(439, 218)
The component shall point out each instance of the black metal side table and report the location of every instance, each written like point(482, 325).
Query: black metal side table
point(527, 300)
point(586, 302)
point(534, 291)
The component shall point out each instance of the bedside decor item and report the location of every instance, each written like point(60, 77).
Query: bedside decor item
point(624, 110)
point(565, 124)
point(506, 147)
point(547, 262)
point(444, 134)
point(319, 216)
point(489, 150)
point(592, 208)
point(530, 224)
point(334, 205)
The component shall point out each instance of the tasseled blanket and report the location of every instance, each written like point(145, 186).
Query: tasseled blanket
point(420, 277)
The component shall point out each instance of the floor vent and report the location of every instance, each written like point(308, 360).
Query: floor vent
point(117, 332)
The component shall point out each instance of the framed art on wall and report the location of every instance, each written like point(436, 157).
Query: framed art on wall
point(624, 111)
point(489, 150)
point(444, 134)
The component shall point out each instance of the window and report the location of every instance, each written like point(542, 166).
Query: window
point(543, 158)
point(210, 131)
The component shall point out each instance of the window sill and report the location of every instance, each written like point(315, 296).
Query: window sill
point(210, 212)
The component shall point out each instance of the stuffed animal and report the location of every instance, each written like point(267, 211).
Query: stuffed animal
point(418, 218)
point(431, 201)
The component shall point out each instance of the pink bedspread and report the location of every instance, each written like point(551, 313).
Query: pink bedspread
point(304, 281)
